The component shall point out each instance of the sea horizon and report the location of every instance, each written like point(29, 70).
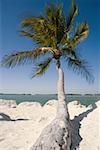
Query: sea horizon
point(49, 93)
point(86, 99)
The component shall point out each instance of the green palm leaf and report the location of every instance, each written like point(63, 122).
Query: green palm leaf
point(40, 30)
point(69, 23)
point(42, 67)
point(27, 34)
point(80, 34)
point(46, 30)
point(33, 24)
point(23, 57)
point(80, 66)
point(72, 14)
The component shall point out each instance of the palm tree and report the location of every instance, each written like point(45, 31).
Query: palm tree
point(57, 37)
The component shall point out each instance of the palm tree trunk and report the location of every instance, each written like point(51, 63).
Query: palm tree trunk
point(57, 135)
point(62, 110)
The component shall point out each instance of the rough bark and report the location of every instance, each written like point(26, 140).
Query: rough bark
point(57, 135)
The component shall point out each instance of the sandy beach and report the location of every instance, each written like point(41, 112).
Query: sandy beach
point(21, 125)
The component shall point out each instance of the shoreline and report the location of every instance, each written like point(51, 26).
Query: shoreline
point(84, 100)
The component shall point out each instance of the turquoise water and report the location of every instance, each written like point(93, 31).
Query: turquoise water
point(43, 98)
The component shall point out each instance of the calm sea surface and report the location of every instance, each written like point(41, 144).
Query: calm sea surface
point(43, 98)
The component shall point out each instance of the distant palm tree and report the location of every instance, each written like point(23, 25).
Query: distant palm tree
point(57, 37)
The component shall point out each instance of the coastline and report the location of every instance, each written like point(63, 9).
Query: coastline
point(43, 98)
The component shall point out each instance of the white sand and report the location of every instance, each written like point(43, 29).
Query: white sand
point(29, 119)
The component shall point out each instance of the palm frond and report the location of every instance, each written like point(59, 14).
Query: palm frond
point(40, 30)
point(80, 67)
point(66, 52)
point(69, 23)
point(56, 22)
point(23, 57)
point(80, 34)
point(47, 30)
point(60, 23)
point(72, 14)
point(27, 34)
point(69, 51)
point(29, 22)
point(42, 67)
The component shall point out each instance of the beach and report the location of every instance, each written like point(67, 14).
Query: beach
point(21, 124)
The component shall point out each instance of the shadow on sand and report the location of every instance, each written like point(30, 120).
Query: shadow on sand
point(4, 117)
point(75, 123)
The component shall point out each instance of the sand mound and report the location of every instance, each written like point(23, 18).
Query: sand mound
point(21, 126)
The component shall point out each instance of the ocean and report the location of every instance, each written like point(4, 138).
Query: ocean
point(43, 98)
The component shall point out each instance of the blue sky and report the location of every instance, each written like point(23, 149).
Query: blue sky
point(18, 79)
